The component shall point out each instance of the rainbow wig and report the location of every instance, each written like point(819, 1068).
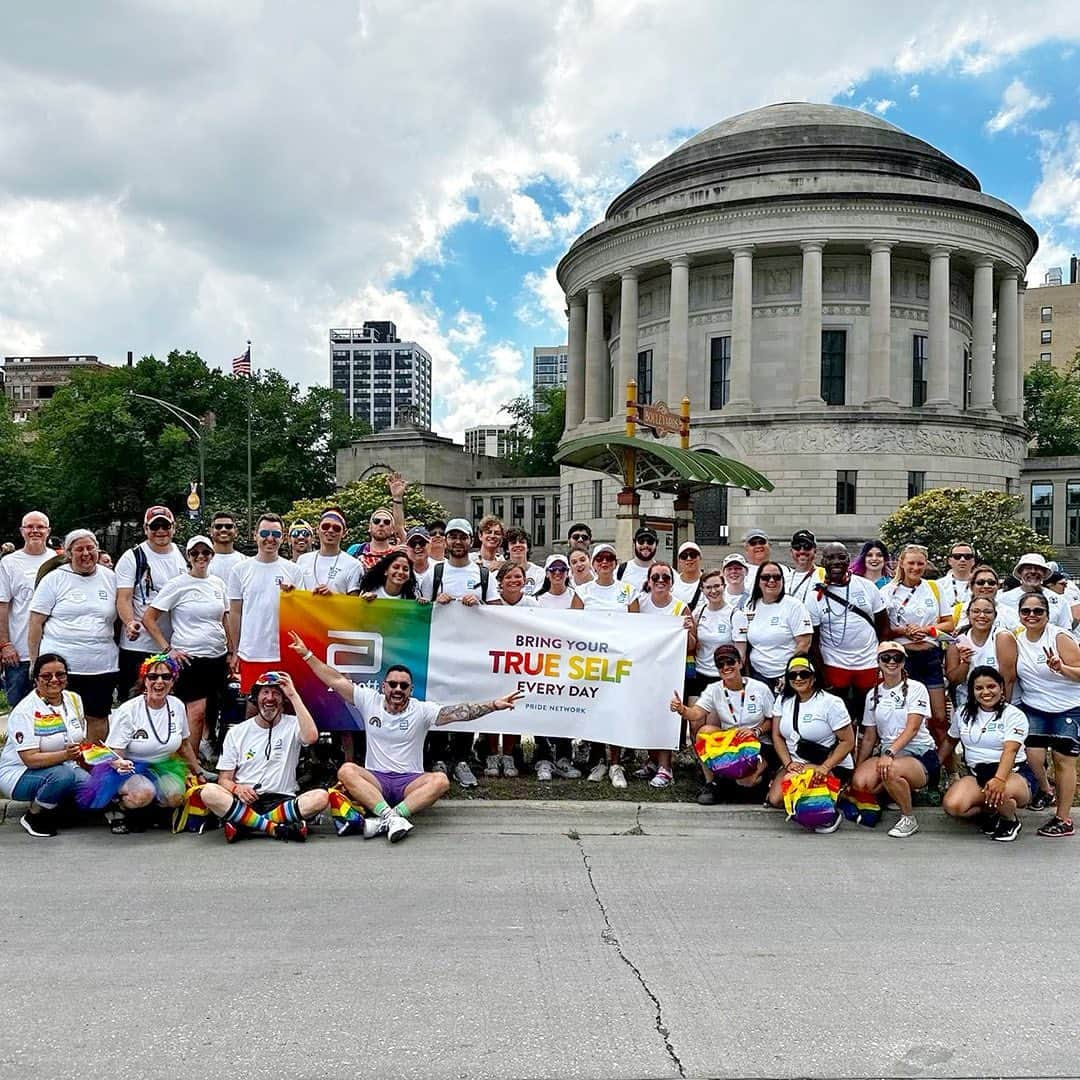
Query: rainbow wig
point(160, 658)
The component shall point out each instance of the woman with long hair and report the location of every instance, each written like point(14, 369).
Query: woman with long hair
point(555, 592)
point(772, 626)
point(872, 563)
point(391, 578)
point(975, 646)
point(712, 628)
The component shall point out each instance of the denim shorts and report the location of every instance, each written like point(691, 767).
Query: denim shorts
point(925, 666)
point(1053, 731)
point(930, 761)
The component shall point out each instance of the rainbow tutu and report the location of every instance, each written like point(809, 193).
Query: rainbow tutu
point(169, 776)
point(862, 807)
point(808, 803)
point(730, 754)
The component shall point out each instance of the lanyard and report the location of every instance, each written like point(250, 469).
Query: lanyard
point(736, 717)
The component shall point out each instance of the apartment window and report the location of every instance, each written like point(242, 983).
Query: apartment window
point(598, 498)
point(719, 372)
point(497, 506)
point(918, 370)
point(539, 520)
point(644, 379)
point(846, 481)
point(1046, 337)
point(477, 510)
point(916, 484)
point(1046, 314)
point(1072, 513)
point(1045, 359)
point(1042, 509)
point(517, 512)
point(833, 366)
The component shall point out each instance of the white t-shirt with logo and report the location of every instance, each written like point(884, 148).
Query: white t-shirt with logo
point(560, 601)
point(820, 719)
point(1008, 604)
point(18, 572)
point(144, 734)
point(34, 724)
point(954, 591)
point(263, 758)
point(749, 707)
point(161, 568)
point(258, 585)
point(847, 640)
point(984, 736)
point(770, 631)
point(890, 714)
point(799, 584)
point(921, 606)
point(341, 573)
point(687, 590)
point(395, 741)
point(459, 580)
point(196, 606)
point(81, 611)
point(613, 597)
point(713, 630)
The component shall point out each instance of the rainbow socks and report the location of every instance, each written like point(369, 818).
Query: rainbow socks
point(243, 817)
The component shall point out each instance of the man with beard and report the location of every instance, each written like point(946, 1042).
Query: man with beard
point(386, 527)
point(801, 577)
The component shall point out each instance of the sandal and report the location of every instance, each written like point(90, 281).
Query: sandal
point(117, 822)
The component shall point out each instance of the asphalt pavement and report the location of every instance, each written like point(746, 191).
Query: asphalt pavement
point(542, 940)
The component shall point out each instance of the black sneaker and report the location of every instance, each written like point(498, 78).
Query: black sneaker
point(1043, 800)
point(1007, 830)
point(987, 822)
point(39, 824)
point(708, 796)
point(1057, 827)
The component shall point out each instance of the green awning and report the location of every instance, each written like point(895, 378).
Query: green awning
point(660, 466)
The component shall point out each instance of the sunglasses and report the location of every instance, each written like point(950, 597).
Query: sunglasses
point(798, 676)
point(580, 536)
point(416, 545)
point(690, 555)
point(803, 547)
point(436, 533)
point(200, 553)
point(223, 525)
point(757, 541)
point(266, 534)
point(986, 581)
point(159, 676)
point(962, 555)
point(53, 676)
point(770, 577)
point(1033, 611)
point(294, 534)
point(606, 557)
point(382, 521)
point(891, 658)
point(394, 684)
point(659, 577)
point(558, 569)
point(330, 526)
point(723, 664)
point(159, 525)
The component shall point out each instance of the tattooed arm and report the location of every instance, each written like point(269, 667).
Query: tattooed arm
point(473, 710)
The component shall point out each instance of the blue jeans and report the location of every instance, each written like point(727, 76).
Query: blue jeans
point(51, 786)
point(17, 683)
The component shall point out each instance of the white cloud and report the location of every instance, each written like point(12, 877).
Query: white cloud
point(1016, 103)
point(468, 330)
point(543, 304)
point(1056, 197)
point(914, 91)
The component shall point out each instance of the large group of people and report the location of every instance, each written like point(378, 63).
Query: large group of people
point(874, 678)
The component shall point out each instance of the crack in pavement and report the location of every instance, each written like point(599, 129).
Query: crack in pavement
point(610, 937)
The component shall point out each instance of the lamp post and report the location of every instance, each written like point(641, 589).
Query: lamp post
point(189, 420)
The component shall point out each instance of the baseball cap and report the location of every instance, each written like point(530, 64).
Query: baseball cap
point(417, 531)
point(751, 533)
point(735, 557)
point(556, 560)
point(198, 538)
point(891, 646)
point(800, 663)
point(155, 512)
point(645, 533)
point(1032, 558)
point(604, 547)
point(803, 536)
point(459, 525)
point(689, 546)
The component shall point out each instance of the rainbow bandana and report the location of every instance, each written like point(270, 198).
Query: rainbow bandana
point(807, 803)
point(345, 814)
point(730, 754)
point(862, 807)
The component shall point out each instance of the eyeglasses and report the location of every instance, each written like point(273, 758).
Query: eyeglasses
point(770, 577)
point(659, 577)
point(330, 526)
point(266, 534)
point(713, 588)
point(394, 684)
point(986, 582)
point(200, 553)
point(297, 534)
point(53, 676)
point(580, 536)
point(1032, 611)
point(961, 555)
point(891, 658)
point(416, 545)
point(798, 676)
point(436, 532)
point(803, 547)
point(159, 676)
point(382, 521)
point(557, 570)
point(605, 557)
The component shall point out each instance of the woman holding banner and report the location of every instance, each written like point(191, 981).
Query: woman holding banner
point(391, 578)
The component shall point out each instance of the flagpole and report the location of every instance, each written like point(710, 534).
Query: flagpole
point(251, 376)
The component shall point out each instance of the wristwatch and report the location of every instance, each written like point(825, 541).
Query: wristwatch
point(887, 753)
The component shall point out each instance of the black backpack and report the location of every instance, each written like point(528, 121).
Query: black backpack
point(437, 576)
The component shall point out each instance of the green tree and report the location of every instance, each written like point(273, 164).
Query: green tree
point(15, 482)
point(1052, 409)
point(538, 431)
point(988, 520)
point(358, 499)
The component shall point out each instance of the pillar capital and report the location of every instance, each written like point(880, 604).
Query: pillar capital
point(812, 245)
point(631, 273)
point(679, 260)
point(743, 251)
point(876, 247)
point(939, 251)
point(1008, 273)
point(980, 261)
point(595, 288)
point(576, 300)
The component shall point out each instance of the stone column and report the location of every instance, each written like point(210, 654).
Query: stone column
point(937, 380)
point(982, 344)
point(742, 317)
point(575, 363)
point(1007, 364)
point(678, 330)
point(809, 392)
point(880, 383)
point(595, 356)
point(1021, 289)
point(628, 337)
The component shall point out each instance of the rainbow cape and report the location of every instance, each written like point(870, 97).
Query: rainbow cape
point(810, 804)
point(862, 807)
point(344, 813)
point(730, 754)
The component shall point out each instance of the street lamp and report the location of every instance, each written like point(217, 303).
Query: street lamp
point(189, 420)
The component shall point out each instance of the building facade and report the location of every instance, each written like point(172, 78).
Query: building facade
point(549, 370)
point(492, 440)
point(824, 288)
point(384, 380)
point(30, 380)
point(1052, 326)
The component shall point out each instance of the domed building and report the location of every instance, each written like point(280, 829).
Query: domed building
point(840, 302)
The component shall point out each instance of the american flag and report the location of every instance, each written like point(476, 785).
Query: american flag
point(241, 365)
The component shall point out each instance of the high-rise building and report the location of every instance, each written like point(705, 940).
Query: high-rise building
point(30, 380)
point(1051, 325)
point(491, 440)
point(549, 369)
point(384, 380)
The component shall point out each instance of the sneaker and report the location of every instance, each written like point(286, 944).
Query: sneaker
point(906, 826)
point(39, 824)
point(207, 752)
point(464, 775)
point(662, 779)
point(1043, 800)
point(297, 831)
point(599, 771)
point(1057, 827)
point(509, 769)
point(708, 795)
point(282, 832)
point(563, 768)
point(232, 833)
point(441, 766)
point(375, 826)
point(617, 775)
point(398, 828)
point(1007, 831)
point(647, 771)
point(833, 826)
point(491, 766)
point(544, 771)
point(987, 822)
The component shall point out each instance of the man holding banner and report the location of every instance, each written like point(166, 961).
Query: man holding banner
point(393, 783)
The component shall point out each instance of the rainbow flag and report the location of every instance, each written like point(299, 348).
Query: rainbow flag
point(730, 754)
point(810, 804)
point(96, 754)
point(862, 807)
point(50, 723)
point(344, 813)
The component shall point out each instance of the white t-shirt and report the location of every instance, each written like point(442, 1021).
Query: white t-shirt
point(889, 715)
point(523, 601)
point(634, 573)
point(847, 640)
point(34, 724)
point(263, 758)
point(423, 580)
point(613, 597)
point(820, 719)
point(749, 707)
point(919, 606)
point(1008, 604)
point(799, 584)
point(395, 741)
point(687, 590)
point(984, 736)
point(81, 612)
point(953, 591)
point(1042, 688)
point(560, 602)
point(647, 606)
point(18, 572)
point(257, 584)
point(770, 631)
point(341, 573)
point(534, 578)
point(713, 630)
point(985, 655)
point(458, 580)
point(161, 568)
point(195, 606)
point(224, 563)
point(144, 734)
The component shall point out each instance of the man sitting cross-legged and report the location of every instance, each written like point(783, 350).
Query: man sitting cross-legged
point(256, 784)
point(393, 783)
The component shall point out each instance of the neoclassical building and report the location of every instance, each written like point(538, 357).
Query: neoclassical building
point(839, 300)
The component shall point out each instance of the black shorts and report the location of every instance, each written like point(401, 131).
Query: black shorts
point(924, 666)
point(986, 771)
point(203, 678)
point(268, 801)
point(96, 692)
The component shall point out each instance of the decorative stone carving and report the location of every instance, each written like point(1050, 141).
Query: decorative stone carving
point(772, 311)
point(709, 289)
point(845, 309)
point(908, 314)
point(845, 280)
point(645, 304)
point(910, 284)
point(775, 282)
point(710, 318)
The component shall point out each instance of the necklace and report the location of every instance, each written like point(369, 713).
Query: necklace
point(153, 727)
point(329, 573)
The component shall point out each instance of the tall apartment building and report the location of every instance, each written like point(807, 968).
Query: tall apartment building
point(549, 369)
point(30, 380)
point(384, 380)
point(1052, 320)
point(491, 440)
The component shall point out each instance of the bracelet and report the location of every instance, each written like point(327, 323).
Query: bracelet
point(392, 501)
point(308, 655)
point(4, 644)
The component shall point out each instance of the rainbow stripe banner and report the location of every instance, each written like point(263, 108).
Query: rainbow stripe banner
point(810, 805)
point(96, 753)
point(730, 754)
point(601, 675)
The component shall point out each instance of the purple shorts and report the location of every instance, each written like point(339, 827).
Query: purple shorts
point(393, 784)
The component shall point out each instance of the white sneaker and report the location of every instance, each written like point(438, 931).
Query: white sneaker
point(491, 766)
point(662, 779)
point(464, 775)
point(398, 828)
point(543, 771)
point(618, 776)
point(566, 770)
point(646, 771)
point(599, 771)
point(375, 826)
point(832, 826)
point(906, 826)
point(509, 769)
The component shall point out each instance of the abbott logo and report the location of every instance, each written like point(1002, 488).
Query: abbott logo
point(355, 652)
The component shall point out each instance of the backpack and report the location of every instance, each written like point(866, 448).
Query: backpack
point(437, 576)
